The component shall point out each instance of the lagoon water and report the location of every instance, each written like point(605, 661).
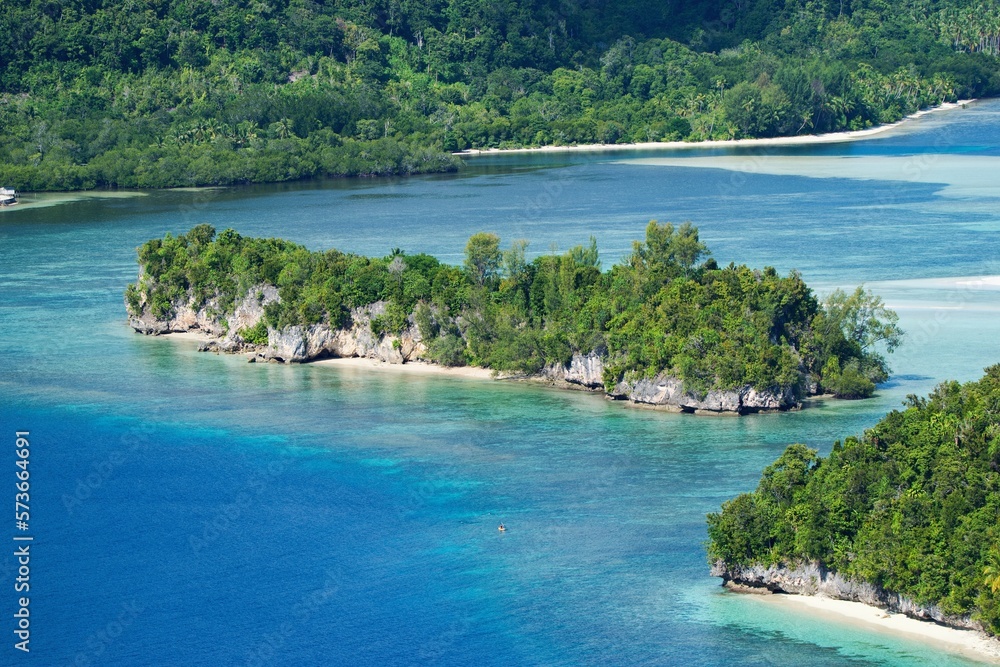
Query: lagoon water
point(194, 509)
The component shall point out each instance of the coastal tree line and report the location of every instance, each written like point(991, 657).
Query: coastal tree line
point(912, 506)
point(157, 93)
point(668, 308)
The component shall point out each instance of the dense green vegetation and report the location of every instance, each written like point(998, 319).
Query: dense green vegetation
point(153, 93)
point(665, 309)
point(912, 506)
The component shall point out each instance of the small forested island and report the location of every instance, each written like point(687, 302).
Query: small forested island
point(169, 93)
point(905, 517)
point(666, 327)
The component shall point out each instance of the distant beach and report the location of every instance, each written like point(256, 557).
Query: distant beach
point(44, 199)
point(968, 643)
point(799, 140)
point(966, 283)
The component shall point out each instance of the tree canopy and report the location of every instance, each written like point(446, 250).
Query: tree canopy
point(483, 256)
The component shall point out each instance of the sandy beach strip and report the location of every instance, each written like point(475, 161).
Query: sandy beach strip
point(409, 368)
point(968, 643)
point(798, 140)
point(45, 199)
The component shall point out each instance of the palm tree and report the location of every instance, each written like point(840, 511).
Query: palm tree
point(991, 571)
point(838, 109)
point(245, 132)
point(282, 128)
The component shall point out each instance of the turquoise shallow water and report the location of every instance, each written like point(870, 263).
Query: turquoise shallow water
point(194, 509)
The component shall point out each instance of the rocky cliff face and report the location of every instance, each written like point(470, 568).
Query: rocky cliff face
point(184, 318)
point(669, 392)
point(357, 340)
point(584, 370)
point(250, 310)
point(587, 370)
point(814, 579)
point(292, 344)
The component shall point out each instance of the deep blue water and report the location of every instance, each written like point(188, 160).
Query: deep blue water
point(194, 509)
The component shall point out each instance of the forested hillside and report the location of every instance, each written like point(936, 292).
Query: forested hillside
point(912, 506)
point(153, 93)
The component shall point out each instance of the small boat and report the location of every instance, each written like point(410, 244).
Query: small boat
point(8, 196)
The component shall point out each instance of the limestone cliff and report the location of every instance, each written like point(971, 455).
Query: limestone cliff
point(583, 370)
point(299, 343)
point(587, 370)
point(667, 391)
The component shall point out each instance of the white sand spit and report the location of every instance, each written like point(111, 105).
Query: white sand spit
point(967, 643)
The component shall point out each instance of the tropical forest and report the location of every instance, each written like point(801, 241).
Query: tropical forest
point(164, 93)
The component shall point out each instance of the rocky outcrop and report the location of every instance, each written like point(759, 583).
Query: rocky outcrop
point(183, 318)
point(587, 371)
point(669, 392)
point(250, 310)
point(583, 370)
point(814, 579)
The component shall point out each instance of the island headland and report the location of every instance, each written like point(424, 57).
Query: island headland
point(667, 327)
point(904, 518)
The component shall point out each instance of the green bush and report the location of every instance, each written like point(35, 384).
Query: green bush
point(448, 350)
point(255, 335)
point(849, 382)
point(392, 322)
point(133, 299)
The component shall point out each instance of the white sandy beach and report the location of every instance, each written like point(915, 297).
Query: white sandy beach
point(800, 140)
point(410, 367)
point(189, 336)
point(967, 643)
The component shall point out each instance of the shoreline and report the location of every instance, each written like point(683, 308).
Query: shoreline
point(968, 643)
point(46, 199)
point(798, 140)
point(419, 367)
point(410, 367)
